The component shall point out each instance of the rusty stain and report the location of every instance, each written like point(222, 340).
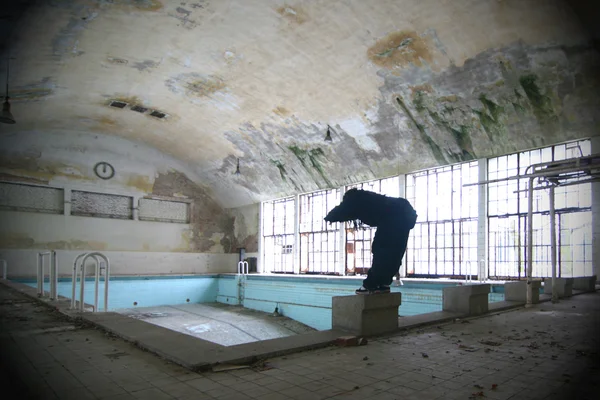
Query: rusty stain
point(140, 5)
point(23, 179)
point(105, 121)
point(452, 99)
point(16, 241)
point(30, 94)
point(281, 111)
point(117, 60)
point(421, 88)
point(125, 99)
point(23, 241)
point(399, 49)
point(205, 87)
point(141, 182)
point(293, 14)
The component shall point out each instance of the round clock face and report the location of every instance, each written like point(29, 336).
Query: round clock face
point(104, 170)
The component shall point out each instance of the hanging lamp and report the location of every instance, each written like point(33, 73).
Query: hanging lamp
point(7, 117)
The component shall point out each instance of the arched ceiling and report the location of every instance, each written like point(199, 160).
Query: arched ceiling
point(404, 84)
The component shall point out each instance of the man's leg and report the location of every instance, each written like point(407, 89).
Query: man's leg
point(386, 263)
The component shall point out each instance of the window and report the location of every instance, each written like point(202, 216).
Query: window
point(18, 197)
point(164, 211)
point(507, 216)
point(101, 205)
point(319, 240)
point(278, 235)
point(444, 240)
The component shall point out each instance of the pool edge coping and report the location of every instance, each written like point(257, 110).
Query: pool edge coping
point(248, 352)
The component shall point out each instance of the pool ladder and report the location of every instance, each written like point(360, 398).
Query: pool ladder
point(52, 272)
point(95, 256)
point(242, 273)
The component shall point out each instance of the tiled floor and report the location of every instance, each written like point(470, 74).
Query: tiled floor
point(547, 352)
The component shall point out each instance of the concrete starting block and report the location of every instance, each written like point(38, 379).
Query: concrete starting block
point(466, 299)
point(564, 286)
point(370, 314)
point(585, 283)
point(517, 291)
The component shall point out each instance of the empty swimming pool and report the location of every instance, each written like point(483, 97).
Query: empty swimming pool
point(304, 299)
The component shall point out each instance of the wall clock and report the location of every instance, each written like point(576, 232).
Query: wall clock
point(104, 170)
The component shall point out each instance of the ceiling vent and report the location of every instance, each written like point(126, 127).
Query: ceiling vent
point(138, 108)
point(118, 104)
point(158, 114)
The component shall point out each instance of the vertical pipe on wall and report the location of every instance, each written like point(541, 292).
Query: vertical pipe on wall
point(54, 276)
point(553, 244)
point(482, 220)
point(40, 275)
point(402, 193)
point(259, 260)
point(296, 234)
point(595, 142)
point(341, 265)
point(529, 240)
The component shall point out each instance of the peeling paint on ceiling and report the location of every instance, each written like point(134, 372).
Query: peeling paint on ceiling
point(404, 84)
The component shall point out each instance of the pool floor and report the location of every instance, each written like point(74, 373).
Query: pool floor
point(223, 324)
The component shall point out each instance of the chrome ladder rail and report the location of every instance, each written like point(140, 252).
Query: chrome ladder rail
point(243, 271)
point(98, 268)
point(52, 272)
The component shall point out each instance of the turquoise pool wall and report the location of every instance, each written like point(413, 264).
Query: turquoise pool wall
point(151, 291)
point(309, 300)
point(304, 299)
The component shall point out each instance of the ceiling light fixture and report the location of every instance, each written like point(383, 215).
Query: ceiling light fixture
point(237, 170)
point(7, 117)
point(328, 135)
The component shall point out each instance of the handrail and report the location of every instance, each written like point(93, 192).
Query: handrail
point(95, 256)
point(4, 268)
point(74, 278)
point(53, 272)
point(241, 268)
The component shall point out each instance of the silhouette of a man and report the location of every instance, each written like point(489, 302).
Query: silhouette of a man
point(394, 217)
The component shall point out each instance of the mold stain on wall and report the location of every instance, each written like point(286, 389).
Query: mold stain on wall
point(22, 241)
point(212, 226)
point(311, 160)
point(293, 14)
point(399, 49)
point(195, 85)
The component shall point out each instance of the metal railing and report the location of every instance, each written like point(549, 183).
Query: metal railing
point(98, 273)
point(52, 272)
point(4, 269)
point(243, 271)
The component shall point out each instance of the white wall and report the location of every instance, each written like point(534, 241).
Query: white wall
point(24, 230)
point(22, 263)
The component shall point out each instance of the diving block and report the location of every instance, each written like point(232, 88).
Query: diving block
point(517, 291)
point(564, 286)
point(369, 314)
point(466, 299)
point(585, 283)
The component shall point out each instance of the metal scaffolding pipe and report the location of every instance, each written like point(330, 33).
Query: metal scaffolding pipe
point(529, 240)
point(553, 245)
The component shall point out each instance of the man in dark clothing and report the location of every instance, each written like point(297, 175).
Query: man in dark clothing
point(394, 217)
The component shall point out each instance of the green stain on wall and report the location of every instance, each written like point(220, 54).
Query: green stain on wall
point(435, 149)
point(312, 156)
point(541, 103)
point(490, 117)
point(281, 168)
point(419, 101)
point(460, 135)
